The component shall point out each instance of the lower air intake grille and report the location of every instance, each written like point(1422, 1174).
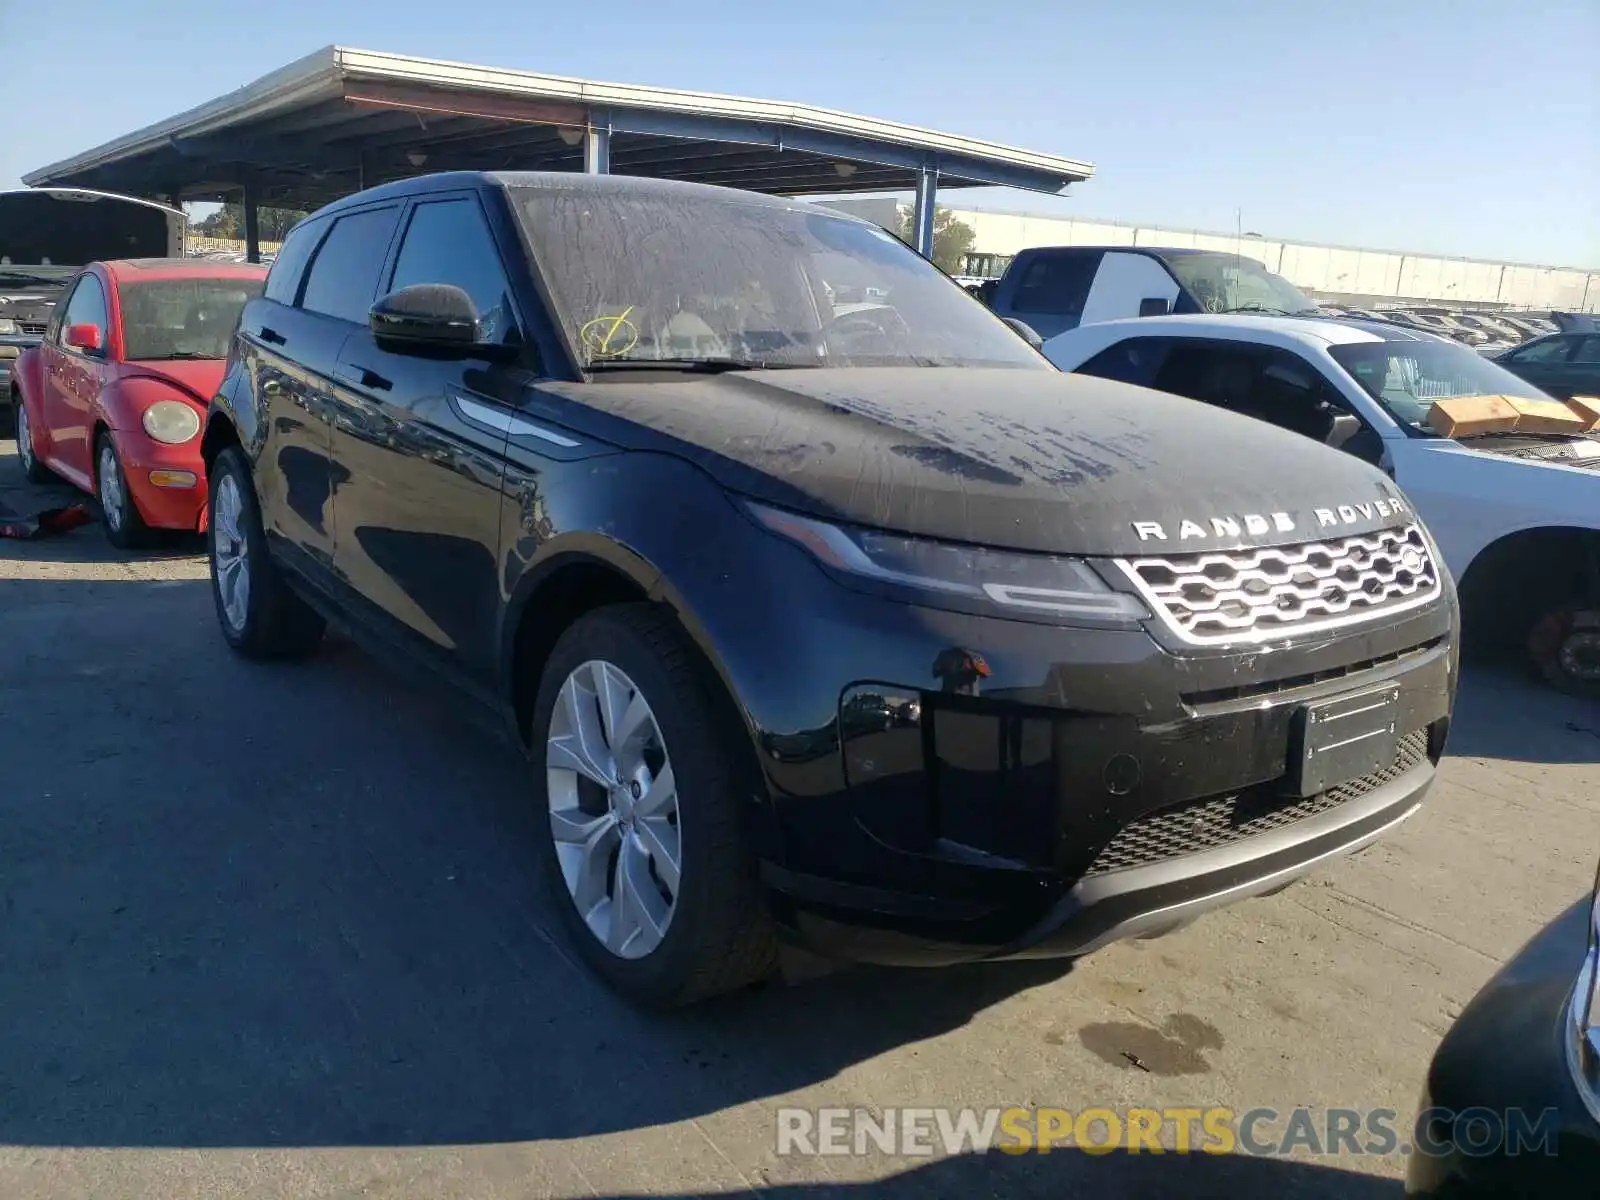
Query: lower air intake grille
point(1222, 820)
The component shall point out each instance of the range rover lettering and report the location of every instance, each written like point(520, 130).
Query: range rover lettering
point(841, 625)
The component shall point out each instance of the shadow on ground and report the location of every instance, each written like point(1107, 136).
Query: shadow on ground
point(1063, 1174)
point(296, 905)
point(1501, 713)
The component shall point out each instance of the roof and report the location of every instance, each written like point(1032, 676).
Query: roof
point(341, 119)
point(1326, 331)
point(127, 269)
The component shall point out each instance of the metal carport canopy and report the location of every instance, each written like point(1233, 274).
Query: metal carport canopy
point(340, 120)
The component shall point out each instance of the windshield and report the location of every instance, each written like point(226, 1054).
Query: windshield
point(641, 276)
point(1407, 377)
point(1232, 283)
point(182, 318)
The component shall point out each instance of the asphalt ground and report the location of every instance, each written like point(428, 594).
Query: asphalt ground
point(274, 931)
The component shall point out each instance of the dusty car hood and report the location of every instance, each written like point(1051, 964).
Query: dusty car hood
point(1032, 460)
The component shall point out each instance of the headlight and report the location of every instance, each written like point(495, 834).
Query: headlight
point(171, 421)
point(7, 325)
point(1037, 587)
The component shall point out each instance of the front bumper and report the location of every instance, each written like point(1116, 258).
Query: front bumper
point(945, 787)
point(150, 466)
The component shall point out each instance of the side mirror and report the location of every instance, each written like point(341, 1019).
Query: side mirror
point(1025, 331)
point(1345, 427)
point(85, 337)
point(424, 316)
point(1154, 306)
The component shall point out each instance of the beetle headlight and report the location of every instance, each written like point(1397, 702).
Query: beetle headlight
point(1037, 587)
point(171, 421)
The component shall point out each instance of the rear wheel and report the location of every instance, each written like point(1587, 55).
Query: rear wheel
point(646, 857)
point(260, 615)
point(125, 528)
point(34, 470)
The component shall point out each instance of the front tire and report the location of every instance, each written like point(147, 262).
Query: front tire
point(261, 617)
point(642, 811)
point(125, 528)
point(32, 469)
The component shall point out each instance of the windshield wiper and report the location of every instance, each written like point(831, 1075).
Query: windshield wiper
point(710, 366)
point(176, 354)
point(1259, 308)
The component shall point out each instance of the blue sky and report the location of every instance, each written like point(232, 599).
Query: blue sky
point(1465, 127)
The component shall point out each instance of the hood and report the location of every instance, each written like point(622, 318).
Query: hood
point(1029, 460)
point(28, 296)
point(1560, 452)
point(199, 378)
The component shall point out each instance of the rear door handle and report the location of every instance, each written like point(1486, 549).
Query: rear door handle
point(272, 335)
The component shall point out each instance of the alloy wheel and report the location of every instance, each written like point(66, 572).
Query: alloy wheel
point(230, 553)
point(613, 809)
point(111, 496)
point(24, 438)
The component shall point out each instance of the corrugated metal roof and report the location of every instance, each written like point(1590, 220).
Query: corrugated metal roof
point(342, 118)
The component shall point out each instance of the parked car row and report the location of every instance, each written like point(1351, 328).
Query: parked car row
point(1493, 333)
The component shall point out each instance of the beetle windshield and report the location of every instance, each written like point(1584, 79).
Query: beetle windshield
point(182, 318)
point(641, 275)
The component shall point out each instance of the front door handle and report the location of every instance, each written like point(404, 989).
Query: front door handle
point(272, 335)
point(364, 377)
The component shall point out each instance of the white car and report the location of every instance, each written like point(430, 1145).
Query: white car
point(1517, 515)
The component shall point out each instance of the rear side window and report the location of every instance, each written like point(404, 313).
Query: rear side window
point(283, 281)
point(1546, 350)
point(447, 241)
point(1588, 351)
point(1133, 360)
point(344, 275)
point(1056, 283)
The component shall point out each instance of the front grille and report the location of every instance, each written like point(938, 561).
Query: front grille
point(1287, 683)
point(34, 328)
point(1222, 820)
point(1257, 595)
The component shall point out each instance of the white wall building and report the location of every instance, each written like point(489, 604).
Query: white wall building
point(1336, 273)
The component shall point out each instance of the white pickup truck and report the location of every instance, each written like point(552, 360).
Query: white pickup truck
point(1516, 514)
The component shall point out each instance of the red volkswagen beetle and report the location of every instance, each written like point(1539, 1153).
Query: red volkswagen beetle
point(115, 398)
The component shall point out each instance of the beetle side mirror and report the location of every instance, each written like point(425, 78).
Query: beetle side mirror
point(85, 337)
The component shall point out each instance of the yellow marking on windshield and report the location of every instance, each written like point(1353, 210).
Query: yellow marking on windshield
point(609, 336)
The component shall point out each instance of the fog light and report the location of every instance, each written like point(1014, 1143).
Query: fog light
point(173, 479)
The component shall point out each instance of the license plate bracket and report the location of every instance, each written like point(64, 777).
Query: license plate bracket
point(1344, 738)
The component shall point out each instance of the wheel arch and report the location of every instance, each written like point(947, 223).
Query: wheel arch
point(219, 435)
point(586, 573)
point(1518, 576)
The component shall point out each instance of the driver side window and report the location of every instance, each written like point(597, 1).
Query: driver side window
point(1270, 385)
point(86, 306)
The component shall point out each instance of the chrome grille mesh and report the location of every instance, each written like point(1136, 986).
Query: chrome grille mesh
point(1259, 594)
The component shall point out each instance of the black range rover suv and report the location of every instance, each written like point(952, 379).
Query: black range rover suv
point(823, 606)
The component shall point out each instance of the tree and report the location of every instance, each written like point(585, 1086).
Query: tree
point(228, 222)
point(952, 237)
